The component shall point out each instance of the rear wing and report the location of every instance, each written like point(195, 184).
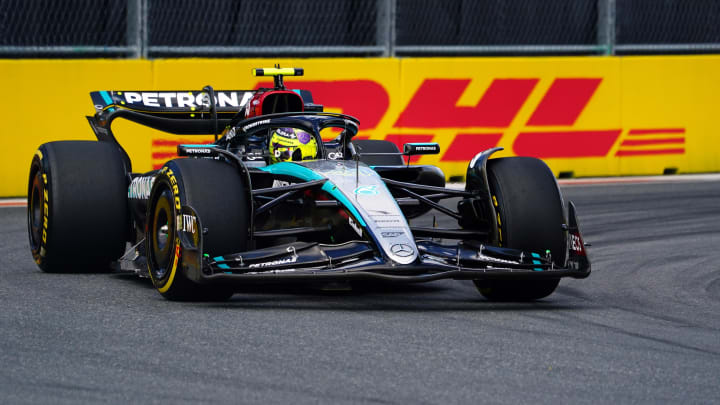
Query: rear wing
point(183, 112)
point(177, 103)
point(188, 112)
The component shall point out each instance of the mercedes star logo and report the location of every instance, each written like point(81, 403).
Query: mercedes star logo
point(401, 249)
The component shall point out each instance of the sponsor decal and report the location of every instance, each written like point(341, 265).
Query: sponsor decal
point(335, 155)
point(140, 187)
point(576, 243)
point(46, 210)
point(653, 141)
point(355, 226)
point(541, 115)
point(174, 184)
point(255, 124)
point(280, 183)
point(189, 223)
point(287, 260)
point(286, 133)
point(401, 250)
point(421, 149)
point(387, 221)
point(230, 134)
point(176, 197)
point(391, 234)
point(198, 151)
point(184, 99)
point(436, 109)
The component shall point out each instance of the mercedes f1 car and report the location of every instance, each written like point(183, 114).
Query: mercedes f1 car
point(270, 201)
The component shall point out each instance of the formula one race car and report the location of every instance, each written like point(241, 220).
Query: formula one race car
point(270, 201)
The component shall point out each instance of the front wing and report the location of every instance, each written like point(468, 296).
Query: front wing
point(302, 261)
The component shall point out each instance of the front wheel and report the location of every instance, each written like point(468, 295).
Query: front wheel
point(216, 192)
point(530, 217)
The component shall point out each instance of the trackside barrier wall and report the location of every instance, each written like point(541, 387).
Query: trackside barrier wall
point(585, 116)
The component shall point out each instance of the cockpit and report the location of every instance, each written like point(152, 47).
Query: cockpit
point(292, 137)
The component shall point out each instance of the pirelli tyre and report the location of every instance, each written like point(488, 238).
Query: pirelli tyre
point(77, 206)
point(530, 213)
point(378, 146)
point(216, 191)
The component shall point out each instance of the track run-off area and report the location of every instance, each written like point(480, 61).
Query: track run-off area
point(643, 328)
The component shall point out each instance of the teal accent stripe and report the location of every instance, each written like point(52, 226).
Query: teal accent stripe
point(292, 169)
point(535, 255)
point(106, 97)
point(335, 192)
point(303, 173)
point(222, 265)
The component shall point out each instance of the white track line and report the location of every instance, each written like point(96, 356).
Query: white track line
point(676, 178)
point(12, 202)
point(591, 181)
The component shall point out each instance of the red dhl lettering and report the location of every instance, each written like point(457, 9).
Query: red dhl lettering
point(564, 101)
point(466, 145)
point(434, 104)
point(549, 132)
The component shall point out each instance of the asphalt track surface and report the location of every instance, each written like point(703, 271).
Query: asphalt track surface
point(644, 328)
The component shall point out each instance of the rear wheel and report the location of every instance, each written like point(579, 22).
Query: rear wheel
point(77, 206)
point(216, 192)
point(530, 217)
point(378, 146)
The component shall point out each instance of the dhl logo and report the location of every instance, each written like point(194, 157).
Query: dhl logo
point(433, 113)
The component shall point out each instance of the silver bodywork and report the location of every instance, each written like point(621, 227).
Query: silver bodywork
point(369, 196)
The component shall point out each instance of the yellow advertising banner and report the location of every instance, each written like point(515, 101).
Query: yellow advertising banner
point(585, 116)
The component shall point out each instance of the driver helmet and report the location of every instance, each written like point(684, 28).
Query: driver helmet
point(292, 144)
